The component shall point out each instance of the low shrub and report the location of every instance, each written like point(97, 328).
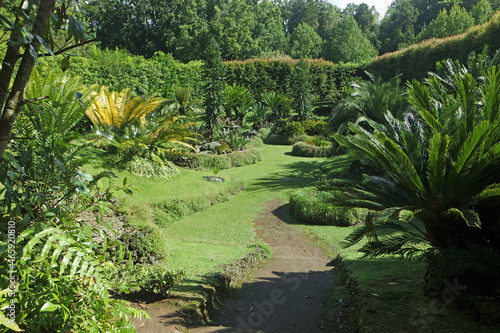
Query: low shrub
point(288, 128)
point(303, 149)
point(151, 169)
point(157, 280)
point(264, 132)
point(314, 127)
point(256, 141)
point(315, 207)
point(277, 139)
point(234, 159)
point(318, 142)
point(211, 161)
point(175, 209)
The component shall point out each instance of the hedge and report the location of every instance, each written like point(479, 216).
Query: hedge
point(414, 62)
point(303, 149)
point(316, 207)
point(234, 159)
point(261, 75)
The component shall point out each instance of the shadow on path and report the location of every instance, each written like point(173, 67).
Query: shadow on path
point(287, 292)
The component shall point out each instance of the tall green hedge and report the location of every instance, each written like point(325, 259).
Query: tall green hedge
point(416, 61)
point(261, 75)
point(159, 74)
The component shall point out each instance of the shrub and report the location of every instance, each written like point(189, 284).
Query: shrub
point(277, 139)
point(175, 209)
point(255, 142)
point(235, 159)
point(288, 128)
point(209, 161)
point(306, 150)
point(315, 207)
point(314, 127)
point(156, 169)
point(157, 280)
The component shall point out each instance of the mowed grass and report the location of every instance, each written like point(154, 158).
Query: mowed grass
point(390, 292)
point(222, 233)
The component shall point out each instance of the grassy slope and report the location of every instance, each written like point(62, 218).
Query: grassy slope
point(222, 233)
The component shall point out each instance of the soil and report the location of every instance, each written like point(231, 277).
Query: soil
point(285, 295)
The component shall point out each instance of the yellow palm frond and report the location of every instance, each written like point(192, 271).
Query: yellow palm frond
point(120, 108)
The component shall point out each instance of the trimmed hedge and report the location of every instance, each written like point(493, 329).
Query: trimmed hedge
point(261, 75)
point(234, 159)
point(315, 207)
point(416, 61)
point(303, 149)
point(173, 210)
point(151, 169)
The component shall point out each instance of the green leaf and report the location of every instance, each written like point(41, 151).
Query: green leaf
point(49, 307)
point(65, 64)
point(86, 176)
point(6, 22)
point(80, 187)
point(9, 323)
point(45, 45)
point(406, 215)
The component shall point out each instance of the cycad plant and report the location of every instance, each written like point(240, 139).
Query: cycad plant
point(183, 104)
point(120, 109)
point(441, 185)
point(371, 99)
point(157, 140)
point(57, 102)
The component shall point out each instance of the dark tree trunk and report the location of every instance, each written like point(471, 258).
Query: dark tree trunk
point(12, 105)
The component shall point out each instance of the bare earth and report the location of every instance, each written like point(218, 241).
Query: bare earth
point(285, 294)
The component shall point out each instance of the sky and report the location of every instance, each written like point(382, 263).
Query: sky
point(381, 5)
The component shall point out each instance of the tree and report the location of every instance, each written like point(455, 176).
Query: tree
point(213, 75)
point(304, 42)
point(348, 44)
point(32, 29)
point(397, 29)
point(302, 97)
point(481, 12)
point(454, 22)
point(367, 19)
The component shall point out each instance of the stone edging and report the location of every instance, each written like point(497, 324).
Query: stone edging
point(219, 284)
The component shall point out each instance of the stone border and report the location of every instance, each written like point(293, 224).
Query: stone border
point(219, 284)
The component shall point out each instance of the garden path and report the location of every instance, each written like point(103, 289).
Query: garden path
point(287, 292)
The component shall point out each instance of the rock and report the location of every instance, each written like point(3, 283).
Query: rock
point(209, 146)
point(249, 134)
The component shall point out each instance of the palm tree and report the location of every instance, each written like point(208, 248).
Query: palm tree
point(371, 99)
point(120, 109)
point(450, 185)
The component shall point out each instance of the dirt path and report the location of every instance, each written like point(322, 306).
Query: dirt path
point(286, 294)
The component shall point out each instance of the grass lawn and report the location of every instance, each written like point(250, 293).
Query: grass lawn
point(389, 292)
point(222, 233)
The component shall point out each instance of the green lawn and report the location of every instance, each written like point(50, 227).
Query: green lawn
point(224, 232)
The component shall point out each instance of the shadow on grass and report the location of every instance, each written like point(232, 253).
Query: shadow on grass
point(293, 175)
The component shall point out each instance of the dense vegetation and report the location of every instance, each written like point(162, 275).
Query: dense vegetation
point(419, 160)
point(298, 28)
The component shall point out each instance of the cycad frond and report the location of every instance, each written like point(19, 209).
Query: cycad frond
point(120, 109)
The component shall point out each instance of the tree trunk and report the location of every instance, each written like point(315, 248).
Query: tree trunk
point(12, 106)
